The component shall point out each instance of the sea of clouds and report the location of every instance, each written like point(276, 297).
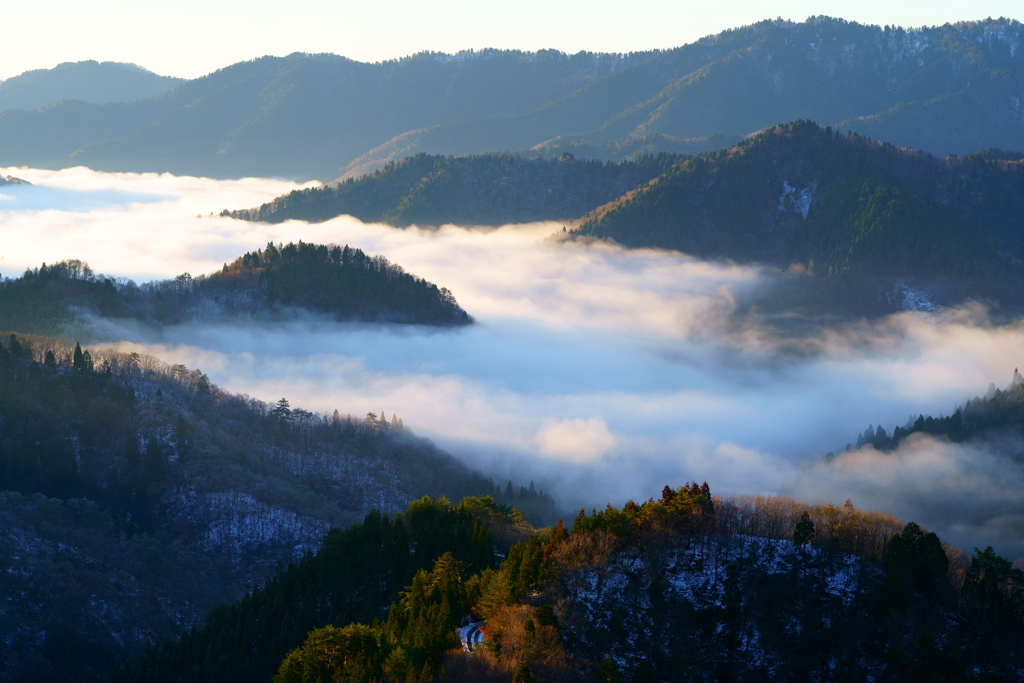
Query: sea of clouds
point(599, 372)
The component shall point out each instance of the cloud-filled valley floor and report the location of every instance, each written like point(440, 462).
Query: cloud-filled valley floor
point(601, 373)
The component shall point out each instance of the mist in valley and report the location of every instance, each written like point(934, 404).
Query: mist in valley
point(600, 373)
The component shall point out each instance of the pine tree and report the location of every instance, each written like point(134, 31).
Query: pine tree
point(14, 346)
point(282, 411)
point(78, 362)
point(804, 531)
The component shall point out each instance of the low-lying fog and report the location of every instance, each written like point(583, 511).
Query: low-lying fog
point(601, 373)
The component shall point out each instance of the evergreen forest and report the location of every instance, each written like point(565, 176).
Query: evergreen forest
point(344, 283)
point(686, 587)
point(135, 496)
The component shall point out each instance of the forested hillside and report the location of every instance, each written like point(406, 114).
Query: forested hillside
point(476, 190)
point(998, 415)
point(860, 227)
point(947, 89)
point(64, 298)
point(868, 221)
point(89, 81)
point(689, 587)
point(136, 495)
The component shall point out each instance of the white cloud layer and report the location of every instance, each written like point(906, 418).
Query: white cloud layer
point(600, 372)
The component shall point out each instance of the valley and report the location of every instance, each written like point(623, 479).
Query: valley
point(511, 364)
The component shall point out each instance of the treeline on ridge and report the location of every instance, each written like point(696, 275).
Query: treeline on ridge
point(998, 413)
point(342, 282)
point(486, 189)
point(849, 225)
point(135, 495)
point(688, 587)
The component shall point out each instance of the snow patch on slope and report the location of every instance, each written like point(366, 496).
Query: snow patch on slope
point(795, 200)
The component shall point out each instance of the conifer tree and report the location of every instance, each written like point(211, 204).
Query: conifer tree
point(804, 531)
point(78, 361)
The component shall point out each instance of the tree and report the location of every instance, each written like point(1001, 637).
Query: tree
point(522, 674)
point(994, 593)
point(14, 346)
point(342, 655)
point(282, 411)
point(78, 361)
point(804, 531)
point(917, 553)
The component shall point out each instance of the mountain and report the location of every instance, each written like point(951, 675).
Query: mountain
point(477, 190)
point(998, 415)
point(11, 180)
point(136, 495)
point(866, 219)
point(90, 81)
point(851, 226)
point(297, 116)
point(686, 587)
point(66, 298)
point(324, 116)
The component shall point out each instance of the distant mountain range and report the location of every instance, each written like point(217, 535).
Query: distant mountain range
point(90, 81)
point(861, 223)
point(490, 189)
point(950, 89)
point(65, 298)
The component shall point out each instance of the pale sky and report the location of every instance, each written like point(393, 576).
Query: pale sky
point(189, 38)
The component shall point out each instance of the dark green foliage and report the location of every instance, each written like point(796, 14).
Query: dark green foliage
point(918, 555)
point(804, 531)
point(351, 654)
point(341, 282)
point(477, 190)
point(999, 411)
point(353, 578)
point(994, 593)
point(709, 604)
point(145, 489)
point(861, 218)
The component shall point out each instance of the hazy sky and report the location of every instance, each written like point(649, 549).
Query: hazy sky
point(189, 38)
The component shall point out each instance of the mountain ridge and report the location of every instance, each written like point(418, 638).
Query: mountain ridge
point(87, 81)
point(271, 116)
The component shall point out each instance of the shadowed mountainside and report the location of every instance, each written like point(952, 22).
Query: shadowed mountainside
point(266, 284)
point(136, 495)
point(90, 81)
point(279, 116)
point(476, 190)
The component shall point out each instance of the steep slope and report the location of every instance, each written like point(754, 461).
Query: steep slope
point(479, 190)
point(283, 116)
point(688, 587)
point(846, 209)
point(136, 495)
point(90, 81)
point(341, 282)
point(997, 416)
